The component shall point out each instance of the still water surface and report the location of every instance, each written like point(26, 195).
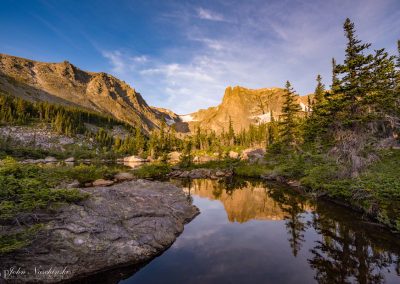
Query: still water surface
point(250, 232)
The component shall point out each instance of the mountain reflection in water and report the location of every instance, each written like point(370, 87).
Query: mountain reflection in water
point(250, 232)
point(250, 203)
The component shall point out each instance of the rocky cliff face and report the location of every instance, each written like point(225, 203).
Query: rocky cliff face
point(243, 106)
point(66, 84)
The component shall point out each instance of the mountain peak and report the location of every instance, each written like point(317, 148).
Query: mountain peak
point(64, 83)
point(242, 106)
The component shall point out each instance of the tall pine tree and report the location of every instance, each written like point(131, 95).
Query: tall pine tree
point(289, 132)
point(354, 75)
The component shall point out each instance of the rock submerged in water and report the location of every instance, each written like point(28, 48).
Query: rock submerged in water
point(126, 224)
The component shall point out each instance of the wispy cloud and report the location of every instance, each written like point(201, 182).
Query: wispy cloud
point(122, 63)
point(269, 45)
point(209, 15)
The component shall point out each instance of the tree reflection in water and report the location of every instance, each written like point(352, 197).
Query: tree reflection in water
point(349, 250)
point(341, 246)
point(294, 205)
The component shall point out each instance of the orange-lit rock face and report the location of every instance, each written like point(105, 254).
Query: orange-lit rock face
point(252, 202)
point(243, 107)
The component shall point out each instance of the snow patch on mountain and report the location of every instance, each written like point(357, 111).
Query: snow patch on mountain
point(169, 121)
point(187, 118)
point(262, 118)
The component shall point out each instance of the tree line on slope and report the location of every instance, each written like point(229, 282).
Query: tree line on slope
point(70, 121)
point(361, 105)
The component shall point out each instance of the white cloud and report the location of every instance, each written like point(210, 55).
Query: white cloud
point(269, 45)
point(116, 61)
point(209, 15)
point(121, 62)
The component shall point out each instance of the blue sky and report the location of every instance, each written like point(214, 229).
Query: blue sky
point(183, 54)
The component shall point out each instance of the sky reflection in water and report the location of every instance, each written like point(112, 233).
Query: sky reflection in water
point(249, 232)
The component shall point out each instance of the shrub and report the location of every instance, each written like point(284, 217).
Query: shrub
point(154, 170)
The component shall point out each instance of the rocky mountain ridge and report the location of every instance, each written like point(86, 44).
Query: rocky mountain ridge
point(65, 84)
point(243, 107)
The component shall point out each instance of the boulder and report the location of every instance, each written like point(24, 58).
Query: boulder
point(253, 155)
point(280, 179)
point(174, 157)
point(102, 182)
point(175, 173)
point(70, 160)
point(219, 173)
point(270, 176)
point(125, 224)
point(123, 176)
point(73, 184)
point(233, 155)
point(199, 173)
point(28, 161)
point(50, 160)
point(134, 159)
point(185, 174)
point(206, 158)
point(294, 183)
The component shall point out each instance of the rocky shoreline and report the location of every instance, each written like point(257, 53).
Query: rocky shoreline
point(125, 224)
point(201, 173)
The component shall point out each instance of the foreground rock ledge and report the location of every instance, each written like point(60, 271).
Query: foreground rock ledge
point(125, 224)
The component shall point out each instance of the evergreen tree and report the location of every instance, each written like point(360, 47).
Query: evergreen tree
point(197, 138)
point(316, 124)
point(272, 131)
point(380, 100)
point(139, 140)
point(117, 144)
point(398, 74)
point(355, 75)
point(231, 132)
point(21, 108)
point(186, 158)
point(290, 120)
point(153, 145)
point(335, 79)
point(319, 94)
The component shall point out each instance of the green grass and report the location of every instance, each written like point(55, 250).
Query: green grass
point(381, 183)
point(82, 173)
point(251, 170)
point(15, 241)
point(217, 164)
point(152, 170)
point(376, 191)
point(25, 189)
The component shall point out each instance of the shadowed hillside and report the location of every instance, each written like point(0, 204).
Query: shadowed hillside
point(66, 84)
